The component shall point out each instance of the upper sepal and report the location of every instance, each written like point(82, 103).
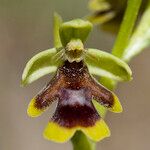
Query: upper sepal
point(41, 64)
point(74, 29)
point(101, 63)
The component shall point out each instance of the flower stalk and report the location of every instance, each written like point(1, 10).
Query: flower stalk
point(81, 142)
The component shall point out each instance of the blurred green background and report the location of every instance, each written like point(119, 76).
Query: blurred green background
point(26, 29)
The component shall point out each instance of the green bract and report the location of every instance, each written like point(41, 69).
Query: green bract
point(41, 64)
point(104, 64)
point(75, 29)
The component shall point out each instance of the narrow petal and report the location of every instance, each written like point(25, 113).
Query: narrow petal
point(97, 132)
point(57, 133)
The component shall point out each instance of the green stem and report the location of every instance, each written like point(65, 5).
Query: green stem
point(126, 27)
point(81, 142)
point(124, 35)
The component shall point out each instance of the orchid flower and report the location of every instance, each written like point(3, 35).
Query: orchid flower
point(74, 85)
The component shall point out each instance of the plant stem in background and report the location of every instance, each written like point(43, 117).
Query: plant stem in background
point(140, 38)
point(124, 35)
point(126, 27)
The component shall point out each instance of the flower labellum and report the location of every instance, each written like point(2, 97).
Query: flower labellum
point(74, 88)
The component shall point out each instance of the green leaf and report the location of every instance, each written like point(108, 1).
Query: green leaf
point(41, 64)
point(140, 38)
point(74, 29)
point(101, 63)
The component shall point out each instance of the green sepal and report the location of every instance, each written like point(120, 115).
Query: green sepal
point(56, 25)
point(74, 29)
point(104, 64)
point(41, 64)
point(108, 83)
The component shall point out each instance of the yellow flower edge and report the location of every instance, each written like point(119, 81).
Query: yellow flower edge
point(59, 134)
point(32, 111)
point(117, 107)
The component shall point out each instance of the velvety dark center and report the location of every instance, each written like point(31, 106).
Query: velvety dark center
point(75, 109)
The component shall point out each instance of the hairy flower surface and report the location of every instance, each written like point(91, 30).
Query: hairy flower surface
point(74, 88)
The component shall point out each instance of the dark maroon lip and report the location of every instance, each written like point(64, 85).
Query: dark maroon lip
point(75, 115)
point(74, 88)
